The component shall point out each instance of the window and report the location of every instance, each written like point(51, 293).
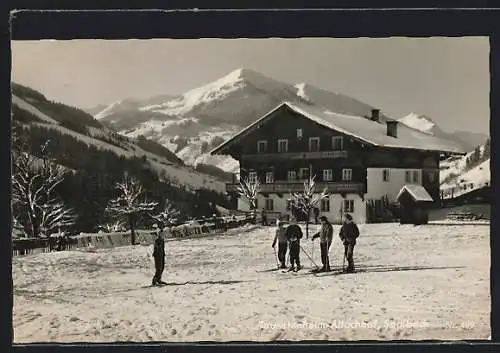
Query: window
point(269, 204)
point(283, 145)
point(408, 176)
point(385, 175)
point(348, 206)
point(252, 177)
point(415, 176)
point(292, 175)
point(313, 144)
point(327, 175)
point(337, 143)
point(269, 177)
point(299, 133)
point(304, 173)
point(325, 205)
point(346, 174)
point(261, 146)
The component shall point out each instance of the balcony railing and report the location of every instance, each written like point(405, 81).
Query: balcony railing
point(297, 186)
point(295, 155)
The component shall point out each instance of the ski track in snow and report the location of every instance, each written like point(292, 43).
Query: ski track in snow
point(219, 290)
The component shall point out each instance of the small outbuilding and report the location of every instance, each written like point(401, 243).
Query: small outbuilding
point(414, 201)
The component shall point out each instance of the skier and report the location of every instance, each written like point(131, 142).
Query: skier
point(293, 234)
point(325, 241)
point(159, 255)
point(316, 215)
point(282, 243)
point(348, 234)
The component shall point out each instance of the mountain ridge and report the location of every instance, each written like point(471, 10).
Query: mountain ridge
point(194, 122)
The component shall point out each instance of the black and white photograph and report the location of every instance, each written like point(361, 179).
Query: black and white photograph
point(273, 189)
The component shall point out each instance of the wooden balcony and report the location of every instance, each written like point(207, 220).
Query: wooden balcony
point(297, 186)
point(295, 155)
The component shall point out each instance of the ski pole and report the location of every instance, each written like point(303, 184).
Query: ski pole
point(312, 250)
point(276, 257)
point(305, 252)
point(343, 261)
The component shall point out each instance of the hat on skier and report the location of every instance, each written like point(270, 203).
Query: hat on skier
point(348, 217)
point(323, 218)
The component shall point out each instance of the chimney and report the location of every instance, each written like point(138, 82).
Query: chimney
point(392, 128)
point(375, 114)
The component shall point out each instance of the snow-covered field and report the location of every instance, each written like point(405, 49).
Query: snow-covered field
point(424, 282)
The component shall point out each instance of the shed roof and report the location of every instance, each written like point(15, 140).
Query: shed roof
point(417, 192)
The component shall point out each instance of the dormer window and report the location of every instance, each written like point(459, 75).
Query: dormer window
point(261, 146)
point(337, 143)
point(282, 145)
point(299, 133)
point(314, 144)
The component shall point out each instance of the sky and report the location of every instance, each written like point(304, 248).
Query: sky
point(446, 79)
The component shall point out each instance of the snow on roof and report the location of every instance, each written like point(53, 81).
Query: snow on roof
point(374, 132)
point(418, 192)
point(369, 131)
point(418, 122)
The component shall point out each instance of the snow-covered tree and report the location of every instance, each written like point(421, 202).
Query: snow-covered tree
point(112, 227)
point(37, 209)
point(168, 214)
point(249, 190)
point(306, 200)
point(131, 204)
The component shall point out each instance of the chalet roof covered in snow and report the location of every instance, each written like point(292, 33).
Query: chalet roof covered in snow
point(417, 192)
point(366, 130)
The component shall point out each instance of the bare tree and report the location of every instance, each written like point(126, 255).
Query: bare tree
point(308, 199)
point(36, 207)
point(249, 190)
point(131, 204)
point(168, 214)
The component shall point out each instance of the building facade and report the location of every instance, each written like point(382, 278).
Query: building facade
point(344, 153)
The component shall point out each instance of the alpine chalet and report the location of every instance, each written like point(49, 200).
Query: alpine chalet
point(362, 161)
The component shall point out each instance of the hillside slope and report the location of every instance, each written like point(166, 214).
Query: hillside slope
point(467, 173)
point(35, 114)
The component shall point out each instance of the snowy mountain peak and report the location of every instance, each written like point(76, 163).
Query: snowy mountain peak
point(213, 91)
point(419, 122)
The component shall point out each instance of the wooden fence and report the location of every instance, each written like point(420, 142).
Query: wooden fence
point(27, 246)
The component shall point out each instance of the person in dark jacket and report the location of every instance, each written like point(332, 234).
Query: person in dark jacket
point(282, 243)
point(159, 255)
point(348, 234)
point(293, 234)
point(325, 236)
